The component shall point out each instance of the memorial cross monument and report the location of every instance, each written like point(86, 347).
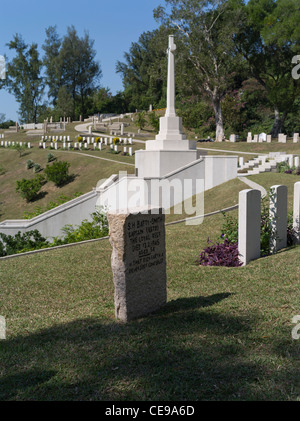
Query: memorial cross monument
point(170, 150)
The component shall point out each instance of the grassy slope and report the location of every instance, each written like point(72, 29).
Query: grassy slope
point(88, 172)
point(225, 334)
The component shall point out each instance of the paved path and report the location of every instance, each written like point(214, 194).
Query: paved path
point(83, 128)
point(253, 185)
point(99, 157)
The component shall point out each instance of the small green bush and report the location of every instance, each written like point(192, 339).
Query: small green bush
point(58, 172)
point(29, 164)
point(29, 189)
point(51, 157)
point(37, 168)
point(97, 228)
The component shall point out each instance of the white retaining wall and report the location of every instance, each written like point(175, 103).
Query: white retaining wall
point(214, 170)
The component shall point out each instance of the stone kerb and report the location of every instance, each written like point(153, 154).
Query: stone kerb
point(138, 261)
point(278, 218)
point(249, 225)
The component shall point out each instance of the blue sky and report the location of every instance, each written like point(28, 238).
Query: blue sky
point(113, 24)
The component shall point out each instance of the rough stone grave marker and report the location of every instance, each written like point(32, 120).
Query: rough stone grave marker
point(138, 261)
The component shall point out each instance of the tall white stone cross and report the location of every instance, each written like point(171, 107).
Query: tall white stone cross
point(171, 79)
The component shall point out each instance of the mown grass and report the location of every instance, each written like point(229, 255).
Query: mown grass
point(87, 171)
point(225, 333)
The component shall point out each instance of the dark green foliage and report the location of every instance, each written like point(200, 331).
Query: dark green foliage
point(97, 228)
point(154, 121)
point(140, 121)
point(31, 240)
point(58, 172)
point(29, 164)
point(24, 78)
point(37, 168)
point(29, 189)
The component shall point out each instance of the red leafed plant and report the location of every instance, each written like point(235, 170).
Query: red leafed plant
point(220, 254)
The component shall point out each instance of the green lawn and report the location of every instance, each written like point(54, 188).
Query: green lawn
point(87, 170)
point(225, 333)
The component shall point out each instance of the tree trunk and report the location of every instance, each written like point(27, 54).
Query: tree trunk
point(278, 122)
point(219, 120)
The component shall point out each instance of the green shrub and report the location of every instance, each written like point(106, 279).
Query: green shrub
point(58, 172)
point(98, 228)
point(31, 240)
point(29, 189)
point(282, 167)
point(51, 157)
point(29, 164)
point(154, 121)
point(37, 168)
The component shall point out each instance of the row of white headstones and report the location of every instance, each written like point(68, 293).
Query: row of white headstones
point(82, 146)
point(250, 220)
point(85, 139)
point(263, 137)
point(7, 144)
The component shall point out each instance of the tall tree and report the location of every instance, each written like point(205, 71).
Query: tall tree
point(24, 78)
point(144, 70)
point(53, 75)
point(207, 29)
point(79, 70)
point(268, 43)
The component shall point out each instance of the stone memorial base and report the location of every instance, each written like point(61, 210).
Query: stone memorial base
point(138, 261)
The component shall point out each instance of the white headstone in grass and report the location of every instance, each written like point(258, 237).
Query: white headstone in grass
point(130, 151)
point(255, 138)
point(138, 261)
point(296, 138)
point(296, 161)
point(278, 217)
point(249, 137)
point(282, 138)
point(249, 225)
point(262, 137)
point(100, 146)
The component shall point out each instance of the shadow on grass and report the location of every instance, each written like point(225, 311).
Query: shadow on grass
point(186, 351)
point(39, 196)
point(68, 180)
